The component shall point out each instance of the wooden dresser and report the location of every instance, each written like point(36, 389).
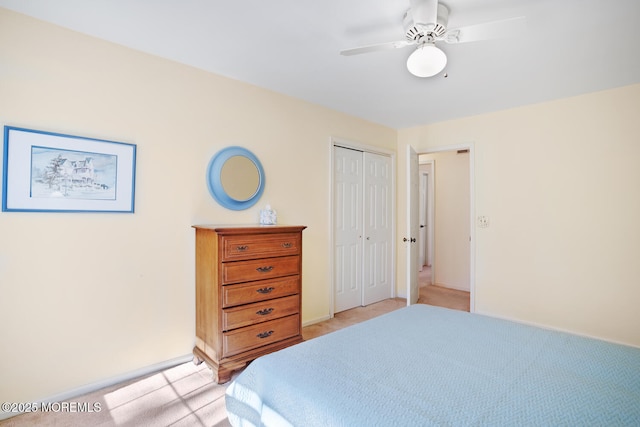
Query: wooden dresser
point(248, 293)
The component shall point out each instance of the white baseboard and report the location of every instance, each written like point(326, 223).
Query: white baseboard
point(317, 320)
point(90, 388)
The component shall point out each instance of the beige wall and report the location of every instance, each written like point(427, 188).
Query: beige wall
point(451, 219)
point(559, 182)
point(74, 314)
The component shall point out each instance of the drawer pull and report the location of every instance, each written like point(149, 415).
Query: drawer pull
point(242, 248)
point(287, 245)
point(265, 290)
point(264, 334)
point(265, 311)
point(265, 269)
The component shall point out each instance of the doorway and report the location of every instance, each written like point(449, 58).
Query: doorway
point(425, 254)
point(448, 203)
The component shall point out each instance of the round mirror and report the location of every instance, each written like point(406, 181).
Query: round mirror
point(240, 178)
point(235, 178)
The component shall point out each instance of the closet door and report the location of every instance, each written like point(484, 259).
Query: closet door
point(348, 228)
point(377, 228)
point(362, 228)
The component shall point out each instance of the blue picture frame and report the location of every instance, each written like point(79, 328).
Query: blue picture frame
point(54, 172)
point(215, 185)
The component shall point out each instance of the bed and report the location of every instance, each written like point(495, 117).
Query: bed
point(426, 366)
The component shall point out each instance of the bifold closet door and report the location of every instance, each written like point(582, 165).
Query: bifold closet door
point(362, 228)
point(348, 229)
point(377, 228)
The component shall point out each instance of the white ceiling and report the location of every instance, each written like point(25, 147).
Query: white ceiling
point(570, 47)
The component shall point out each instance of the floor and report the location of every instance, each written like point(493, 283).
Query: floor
point(440, 295)
point(428, 294)
point(185, 395)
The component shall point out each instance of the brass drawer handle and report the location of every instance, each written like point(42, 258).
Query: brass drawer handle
point(242, 248)
point(287, 245)
point(264, 334)
point(265, 311)
point(265, 269)
point(265, 290)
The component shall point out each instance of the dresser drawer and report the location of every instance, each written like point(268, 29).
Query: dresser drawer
point(267, 268)
point(245, 293)
point(260, 246)
point(250, 314)
point(244, 339)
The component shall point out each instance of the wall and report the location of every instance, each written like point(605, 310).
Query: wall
point(559, 182)
point(451, 219)
point(70, 315)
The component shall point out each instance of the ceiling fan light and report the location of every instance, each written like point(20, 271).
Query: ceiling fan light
point(426, 61)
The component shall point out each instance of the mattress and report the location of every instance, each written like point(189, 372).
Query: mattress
point(431, 366)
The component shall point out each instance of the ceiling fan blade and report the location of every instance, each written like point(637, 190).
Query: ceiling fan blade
point(424, 12)
point(490, 30)
point(375, 48)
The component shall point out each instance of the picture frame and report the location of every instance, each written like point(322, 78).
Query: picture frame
point(53, 172)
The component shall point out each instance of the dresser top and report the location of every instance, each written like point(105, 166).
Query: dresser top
point(250, 228)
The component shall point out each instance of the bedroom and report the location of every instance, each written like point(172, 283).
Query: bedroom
point(558, 179)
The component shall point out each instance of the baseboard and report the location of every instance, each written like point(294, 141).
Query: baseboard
point(553, 328)
point(90, 388)
point(317, 320)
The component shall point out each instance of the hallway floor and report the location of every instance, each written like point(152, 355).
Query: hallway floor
point(439, 295)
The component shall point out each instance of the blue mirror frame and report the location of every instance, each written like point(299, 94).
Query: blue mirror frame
point(214, 182)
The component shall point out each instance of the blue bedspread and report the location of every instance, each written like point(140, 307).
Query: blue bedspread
point(429, 366)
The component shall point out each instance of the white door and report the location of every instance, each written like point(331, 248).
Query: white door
point(410, 241)
point(377, 228)
point(422, 241)
point(348, 229)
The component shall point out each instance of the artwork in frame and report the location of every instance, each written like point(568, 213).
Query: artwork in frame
point(51, 172)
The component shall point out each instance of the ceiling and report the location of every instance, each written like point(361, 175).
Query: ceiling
point(569, 47)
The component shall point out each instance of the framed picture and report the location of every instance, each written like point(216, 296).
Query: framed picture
point(44, 171)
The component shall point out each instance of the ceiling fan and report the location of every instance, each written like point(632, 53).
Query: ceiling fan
point(425, 23)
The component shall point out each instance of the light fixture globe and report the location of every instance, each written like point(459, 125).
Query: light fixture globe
point(426, 61)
